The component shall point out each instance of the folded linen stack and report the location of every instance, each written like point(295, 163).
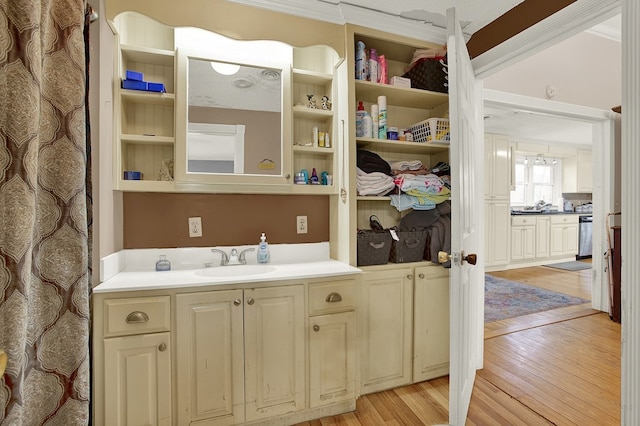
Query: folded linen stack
point(419, 192)
point(375, 183)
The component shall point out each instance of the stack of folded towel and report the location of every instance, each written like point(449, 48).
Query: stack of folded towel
point(419, 192)
point(375, 183)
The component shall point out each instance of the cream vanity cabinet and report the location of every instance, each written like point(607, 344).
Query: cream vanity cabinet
point(332, 341)
point(498, 177)
point(563, 235)
point(404, 323)
point(240, 354)
point(136, 359)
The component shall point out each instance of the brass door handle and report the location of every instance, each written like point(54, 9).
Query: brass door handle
point(334, 297)
point(443, 257)
point(137, 317)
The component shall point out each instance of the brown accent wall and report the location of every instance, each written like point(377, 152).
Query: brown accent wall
point(160, 220)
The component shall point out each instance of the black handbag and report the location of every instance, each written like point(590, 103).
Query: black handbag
point(429, 74)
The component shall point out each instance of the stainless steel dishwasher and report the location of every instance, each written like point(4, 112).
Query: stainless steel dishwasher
point(585, 244)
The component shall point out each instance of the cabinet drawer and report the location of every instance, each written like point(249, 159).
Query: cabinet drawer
point(563, 219)
point(523, 220)
point(332, 296)
point(136, 315)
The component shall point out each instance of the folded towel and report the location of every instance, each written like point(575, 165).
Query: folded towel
point(406, 165)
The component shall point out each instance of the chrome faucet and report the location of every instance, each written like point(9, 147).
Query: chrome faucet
point(233, 258)
point(224, 260)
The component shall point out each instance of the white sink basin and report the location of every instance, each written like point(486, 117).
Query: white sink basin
point(235, 270)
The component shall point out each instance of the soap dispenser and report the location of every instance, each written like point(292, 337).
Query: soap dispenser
point(263, 250)
point(163, 264)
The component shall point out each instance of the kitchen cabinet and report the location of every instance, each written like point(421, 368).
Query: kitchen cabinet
point(563, 235)
point(144, 129)
point(223, 373)
point(577, 172)
point(585, 171)
point(404, 324)
point(405, 107)
point(332, 342)
point(523, 238)
point(542, 236)
point(137, 356)
point(498, 178)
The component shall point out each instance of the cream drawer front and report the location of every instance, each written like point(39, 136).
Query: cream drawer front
point(565, 218)
point(136, 315)
point(332, 296)
point(523, 220)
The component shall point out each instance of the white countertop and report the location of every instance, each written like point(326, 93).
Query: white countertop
point(130, 270)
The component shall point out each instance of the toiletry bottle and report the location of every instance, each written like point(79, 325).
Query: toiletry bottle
point(361, 61)
point(359, 116)
point(314, 177)
point(163, 264)
point(373, 66)
point(382, 117)
point(374, 119)
point(367, 125)
point(263, 250)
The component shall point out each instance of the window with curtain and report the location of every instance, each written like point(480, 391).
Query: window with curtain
point(537, 178)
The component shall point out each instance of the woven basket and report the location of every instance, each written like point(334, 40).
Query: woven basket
point(429, 74)
point(373, 247)
point(432, 130)
point(409, 247)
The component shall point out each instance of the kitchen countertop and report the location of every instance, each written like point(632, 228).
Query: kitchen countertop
point(130, 270)
point(543, 213)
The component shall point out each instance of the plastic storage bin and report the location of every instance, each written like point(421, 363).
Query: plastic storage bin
point(374, 247)
point(134, 85)
point(431, 130)
point(156, 87)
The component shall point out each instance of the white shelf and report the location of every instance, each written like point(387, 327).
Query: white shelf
point(312, 113)
point(311, 77)
point(373, 198)
point(400, 96)
point(147, 139)
point(144, 97)
point(146, 185)
point(148, 55)
point(314, 189)
point(402, 146)
point(313, 150)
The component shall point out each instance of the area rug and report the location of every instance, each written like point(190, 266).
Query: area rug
point(570, 266)
point(509, 299)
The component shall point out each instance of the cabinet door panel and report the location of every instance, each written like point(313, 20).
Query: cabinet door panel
point(499, 237)
point(274, 351)
point(387, 331)
point(138, 380)
point(557, 238)
point(210, 357)
point(431, 323)
point(332, 357)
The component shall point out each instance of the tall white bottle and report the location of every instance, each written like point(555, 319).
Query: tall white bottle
point(382, 117)
point(375, 116)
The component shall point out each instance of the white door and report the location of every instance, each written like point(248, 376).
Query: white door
point(466, 286)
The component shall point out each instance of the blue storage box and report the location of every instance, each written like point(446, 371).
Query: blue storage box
point(134, 75)
point(132, 175)
point(134, 85)
point(156, 87)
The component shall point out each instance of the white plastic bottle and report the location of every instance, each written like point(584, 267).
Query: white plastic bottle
point(263, 250)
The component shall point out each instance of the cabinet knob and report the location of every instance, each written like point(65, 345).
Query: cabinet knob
point(162, 347)
point(250, 301)
point(334, 297)
point(237, 302)
point(316, 327)
point(409, 277)
point(137, 317)
point(421, 276)
point(287, 176)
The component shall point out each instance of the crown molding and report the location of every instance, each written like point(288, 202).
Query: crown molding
point(343, 13)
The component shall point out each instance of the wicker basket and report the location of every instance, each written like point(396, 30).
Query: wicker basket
point(432, 130)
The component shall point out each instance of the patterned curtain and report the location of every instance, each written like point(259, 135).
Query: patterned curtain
point(44, 281)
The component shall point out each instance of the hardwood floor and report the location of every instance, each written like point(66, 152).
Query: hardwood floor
point(560, 367)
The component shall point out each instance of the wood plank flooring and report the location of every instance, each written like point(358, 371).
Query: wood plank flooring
point(559, 367)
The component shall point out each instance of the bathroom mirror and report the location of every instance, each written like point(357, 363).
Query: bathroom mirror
point(232, 106)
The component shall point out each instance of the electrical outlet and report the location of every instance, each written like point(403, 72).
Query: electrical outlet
point(195, 227)
point(301, 224)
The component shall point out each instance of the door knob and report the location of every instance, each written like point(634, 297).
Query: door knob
point(443, 257)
